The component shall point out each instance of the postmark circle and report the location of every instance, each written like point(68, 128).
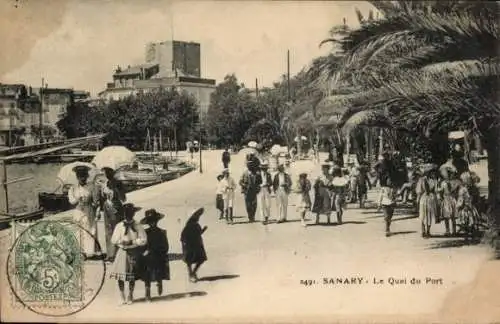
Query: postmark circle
point(47, 272)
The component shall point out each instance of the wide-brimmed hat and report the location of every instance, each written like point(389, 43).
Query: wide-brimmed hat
point(81, 169)
point(130, 209)
point(151, 216)
point(428, 167)
point(108, 169)
point(325, 164)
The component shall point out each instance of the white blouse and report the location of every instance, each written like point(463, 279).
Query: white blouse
point(138, 237)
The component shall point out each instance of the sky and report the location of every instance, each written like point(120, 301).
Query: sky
point(78, 44)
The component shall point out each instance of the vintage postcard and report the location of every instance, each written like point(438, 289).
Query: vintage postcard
point(249, 161)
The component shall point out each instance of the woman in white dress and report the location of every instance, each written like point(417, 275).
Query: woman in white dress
point(82, 195)
point(228, 185)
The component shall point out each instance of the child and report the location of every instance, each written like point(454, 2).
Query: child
point(219, 200)
point(428, 204)
point(304, 186)
point(156, 266)
point(129, 237)
point(387, 203)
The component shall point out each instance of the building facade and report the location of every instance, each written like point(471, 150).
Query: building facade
point(168, 64)
point(24, 109)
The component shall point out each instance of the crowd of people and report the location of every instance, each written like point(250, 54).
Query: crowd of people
point(137, 250)
point(445, 194)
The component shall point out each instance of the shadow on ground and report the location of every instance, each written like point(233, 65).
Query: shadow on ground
point(219, 277)
point(172, 297)
point(454, 243)
point(402, 233)
point(337, 224)
point(175, 256)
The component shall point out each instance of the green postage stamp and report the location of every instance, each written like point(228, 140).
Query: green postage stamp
point(47, 272)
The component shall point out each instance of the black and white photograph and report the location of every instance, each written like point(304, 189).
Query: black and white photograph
point(168, 161)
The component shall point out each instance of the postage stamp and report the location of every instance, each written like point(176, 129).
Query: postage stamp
point(47, 272)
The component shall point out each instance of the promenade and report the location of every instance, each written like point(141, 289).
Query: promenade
point(255, 271)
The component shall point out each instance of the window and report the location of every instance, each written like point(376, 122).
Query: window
point(1, 104)
point(12, 105)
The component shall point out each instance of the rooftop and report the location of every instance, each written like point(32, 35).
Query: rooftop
point(136, 69)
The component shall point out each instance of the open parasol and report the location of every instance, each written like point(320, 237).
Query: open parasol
point(252, 144)
point(114, 157)
point(67, 176)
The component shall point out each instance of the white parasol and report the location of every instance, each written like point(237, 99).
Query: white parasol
point(303, 138)
point(252, 144)
point(276, 149)
point(67, 176)
point(114, 157)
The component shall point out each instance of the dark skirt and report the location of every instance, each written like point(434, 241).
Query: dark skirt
point(155, 267)
point(194, 253)
point(219, 202)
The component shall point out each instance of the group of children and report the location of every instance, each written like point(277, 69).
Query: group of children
point(143, 253)
point(440, 195)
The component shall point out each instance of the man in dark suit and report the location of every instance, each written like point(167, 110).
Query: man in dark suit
point(250, 185)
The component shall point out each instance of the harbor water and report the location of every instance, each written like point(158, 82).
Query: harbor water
point(23, 196)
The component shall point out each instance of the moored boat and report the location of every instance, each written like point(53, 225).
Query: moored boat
point(6, 219)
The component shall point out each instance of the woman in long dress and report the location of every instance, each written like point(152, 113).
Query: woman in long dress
point(448, 202)
point(304, 199)
point(322, 195)
point(112, 199)
point(339, 185)
point(429, 206)
point(129, 236)
point(82, 195)
point(192, 244)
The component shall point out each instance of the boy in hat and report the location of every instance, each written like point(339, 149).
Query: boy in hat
point(282, 184)
point(219, 200)
point(265, 193)
point(156, 266)
point(129, 236)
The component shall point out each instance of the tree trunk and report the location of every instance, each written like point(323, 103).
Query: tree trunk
point(493, 149)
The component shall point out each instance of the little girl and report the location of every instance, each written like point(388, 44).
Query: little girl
point(304, 186)
point(129, 236)
point(387, 202)
point(219, 200)
point(155, 257)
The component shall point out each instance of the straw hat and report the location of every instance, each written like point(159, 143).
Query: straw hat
point(130, 209)
point(81, 170)
point(151, 216)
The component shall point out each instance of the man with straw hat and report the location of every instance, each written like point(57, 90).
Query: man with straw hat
point(83, 197)
point(265, 193)
point(282, 185)
point(250, 186)
point(156, 267)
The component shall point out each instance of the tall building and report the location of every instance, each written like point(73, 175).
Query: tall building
point(168, 64)
point(174, 57)
point(22, 107)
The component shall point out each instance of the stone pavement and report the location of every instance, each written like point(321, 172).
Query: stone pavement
point(255, 271)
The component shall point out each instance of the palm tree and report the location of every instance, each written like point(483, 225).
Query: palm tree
point(426, 67)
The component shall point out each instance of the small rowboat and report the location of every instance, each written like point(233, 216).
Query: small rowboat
point(6, 219)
